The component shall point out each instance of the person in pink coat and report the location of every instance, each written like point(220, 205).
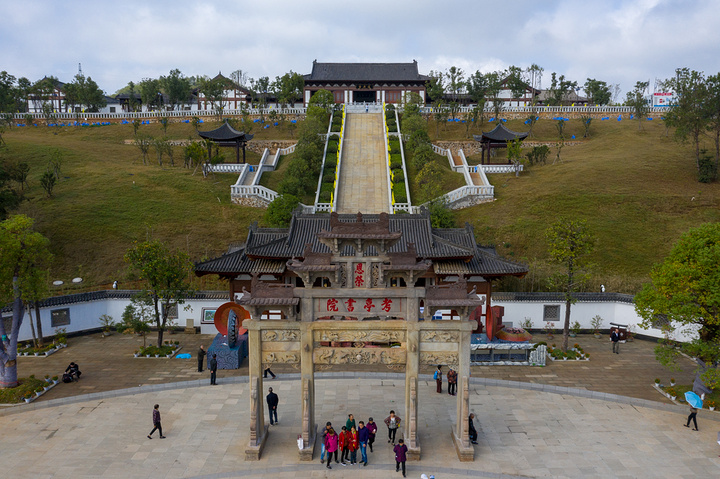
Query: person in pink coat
point(331, 446)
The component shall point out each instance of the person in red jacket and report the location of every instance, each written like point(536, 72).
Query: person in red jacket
point(331, 446)
point(353, 444)
point(343, 444)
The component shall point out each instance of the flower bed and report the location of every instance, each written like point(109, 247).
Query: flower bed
point(167, 350)
point(28, 390)
point(677, 395)
point(45, 351)
point(576, 353)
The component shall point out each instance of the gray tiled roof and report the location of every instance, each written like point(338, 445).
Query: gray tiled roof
point(554, 297)
point(268, 248)
point(365, 72)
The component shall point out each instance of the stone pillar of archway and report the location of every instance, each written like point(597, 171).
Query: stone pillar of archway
point(307, 391)
point(412, 369)
point(258, 428)
point(460, 433)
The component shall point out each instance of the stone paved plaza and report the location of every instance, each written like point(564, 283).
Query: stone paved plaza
point(523, 432)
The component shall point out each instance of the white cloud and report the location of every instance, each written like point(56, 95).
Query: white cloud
point(619, 41)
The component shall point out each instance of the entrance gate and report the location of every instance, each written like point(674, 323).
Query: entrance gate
point(359, 319)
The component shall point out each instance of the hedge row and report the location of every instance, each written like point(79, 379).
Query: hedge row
point(326, 191)
point(332, 146)
point(394, 146)
point(399, 192)
point(398, 175)
point(395, 161)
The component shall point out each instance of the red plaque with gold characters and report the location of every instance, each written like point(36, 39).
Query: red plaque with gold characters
point(221, 317)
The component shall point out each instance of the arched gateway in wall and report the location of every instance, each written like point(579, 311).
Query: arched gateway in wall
point(344, 289)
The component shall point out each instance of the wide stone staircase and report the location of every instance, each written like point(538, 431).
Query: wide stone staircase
point(363, 181)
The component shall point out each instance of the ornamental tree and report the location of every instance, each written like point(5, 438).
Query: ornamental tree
point(166, 276)
point(570, 243)
point(685, 288)
point(25, 257)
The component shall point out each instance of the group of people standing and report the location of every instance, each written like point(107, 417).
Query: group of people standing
point(451, 379)
point(360, 436)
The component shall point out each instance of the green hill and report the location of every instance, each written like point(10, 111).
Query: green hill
point(638, 191)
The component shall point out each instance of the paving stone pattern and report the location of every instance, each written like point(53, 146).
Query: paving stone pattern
point(523, 432)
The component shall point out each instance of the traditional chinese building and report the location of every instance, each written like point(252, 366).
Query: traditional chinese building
point(366, 82)
point(333, 290)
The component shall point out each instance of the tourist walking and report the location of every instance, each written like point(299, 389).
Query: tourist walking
point(615, 338)
point(438, 378)
point(201, 358)
point(693, 417)
point(272, 402)
point(471, 429)
point(452, 382)
point(363, 438)
point(392, 422)
point(343, 445)
point(328, 426)
point(266, 372)
point(350, 423)
point(331, 446)
point(353, 445)
point(213, 370)
point(156, 422)
point(400, 456)
point(372, 429)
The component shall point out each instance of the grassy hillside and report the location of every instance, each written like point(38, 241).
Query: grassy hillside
point(638, 191)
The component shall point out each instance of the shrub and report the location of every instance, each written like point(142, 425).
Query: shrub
point(394, 145)
point(397, 175)
point(332, 145)
point(328, 175)
point(395, 161)
point(707, 169)
point(335, 127)
point(326, 190)
point(399, 192)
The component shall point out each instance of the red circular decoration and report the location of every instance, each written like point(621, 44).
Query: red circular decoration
point(221, 317)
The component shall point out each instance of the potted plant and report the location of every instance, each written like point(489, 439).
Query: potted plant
point(711, 405)
point(672, 393)
point(596, 323)
point(550, 329)
point(527, 324)
point(27, 397)
point(672, 381)
point(657, 381)
point(630, 332)
point(574, 329)
point(54, 379)
point(107, 323)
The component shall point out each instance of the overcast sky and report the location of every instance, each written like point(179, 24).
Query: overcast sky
point(618, 41)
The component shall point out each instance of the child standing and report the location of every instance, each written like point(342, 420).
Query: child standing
point(400, 456)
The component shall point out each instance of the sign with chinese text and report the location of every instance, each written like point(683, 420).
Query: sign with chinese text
point(358, 306)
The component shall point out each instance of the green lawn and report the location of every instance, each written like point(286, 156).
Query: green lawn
point(638, 191)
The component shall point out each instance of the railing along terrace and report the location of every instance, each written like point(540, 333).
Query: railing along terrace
point(248, 191)
point(160, 113)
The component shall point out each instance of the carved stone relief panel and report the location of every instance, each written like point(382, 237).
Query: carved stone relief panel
point(359, 356)
point(353, 336)
point(439, 336)
point(280, 357)
point(435, 358)
point(280, 335)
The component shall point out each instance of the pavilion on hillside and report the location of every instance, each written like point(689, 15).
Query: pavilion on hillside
point(226, 135)
point(498, 137)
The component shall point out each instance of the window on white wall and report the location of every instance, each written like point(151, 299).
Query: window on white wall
point(59, 317)
point(551, 312)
